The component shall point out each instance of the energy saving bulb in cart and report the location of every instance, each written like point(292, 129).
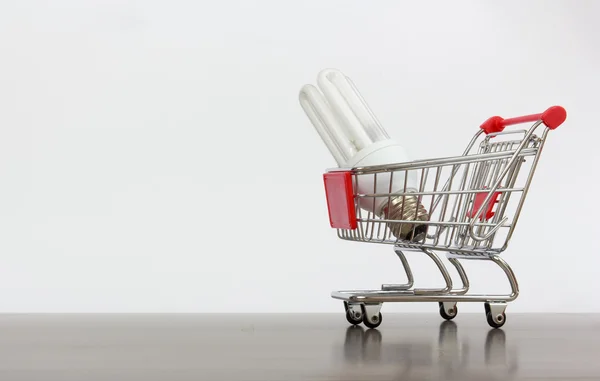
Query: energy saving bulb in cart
point(356, 138)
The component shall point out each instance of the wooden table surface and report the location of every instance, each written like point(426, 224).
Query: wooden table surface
point(297, 347)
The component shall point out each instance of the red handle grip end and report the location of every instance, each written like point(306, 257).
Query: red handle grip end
point(493, 124)
point(554, 117)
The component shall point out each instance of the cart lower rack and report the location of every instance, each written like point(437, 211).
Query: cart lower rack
point(465, 206)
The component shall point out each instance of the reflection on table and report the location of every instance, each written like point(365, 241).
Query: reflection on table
point(449, 356)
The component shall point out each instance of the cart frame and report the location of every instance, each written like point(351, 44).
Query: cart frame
point(469, 217)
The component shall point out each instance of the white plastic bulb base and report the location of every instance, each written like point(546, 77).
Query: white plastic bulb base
point(380, 153)
point(403, 207)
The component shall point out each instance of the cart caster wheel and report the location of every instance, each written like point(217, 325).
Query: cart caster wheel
point(371, 315)
point(354, 313)
point(374, 322)
point(353, 318)
point(448, 311)
point(496, 321)
point(495, 315)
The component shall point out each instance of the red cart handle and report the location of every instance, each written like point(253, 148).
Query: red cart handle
point(552, 118)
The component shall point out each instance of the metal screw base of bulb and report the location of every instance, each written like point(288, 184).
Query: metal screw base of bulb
point(406, 208)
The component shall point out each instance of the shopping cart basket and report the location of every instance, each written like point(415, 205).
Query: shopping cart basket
point(471, 205)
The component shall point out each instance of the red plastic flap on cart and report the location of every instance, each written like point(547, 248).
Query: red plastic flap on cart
point(478, 203)
point(340, 200)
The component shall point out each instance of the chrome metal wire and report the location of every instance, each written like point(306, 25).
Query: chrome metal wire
point(452, 208)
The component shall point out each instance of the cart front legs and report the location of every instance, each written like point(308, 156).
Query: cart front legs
point(409, 276)
point(364, 306)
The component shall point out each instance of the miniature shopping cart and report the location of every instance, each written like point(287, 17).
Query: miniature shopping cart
point(471, 202)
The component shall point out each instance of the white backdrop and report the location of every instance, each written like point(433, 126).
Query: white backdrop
point(154, 156)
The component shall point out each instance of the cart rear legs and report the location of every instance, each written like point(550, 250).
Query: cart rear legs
point(364, 306)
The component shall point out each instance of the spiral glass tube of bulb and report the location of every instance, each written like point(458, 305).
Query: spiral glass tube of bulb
point(356, 138)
